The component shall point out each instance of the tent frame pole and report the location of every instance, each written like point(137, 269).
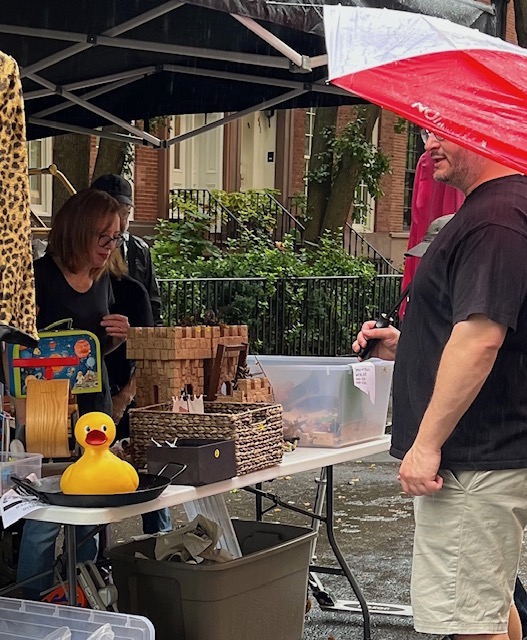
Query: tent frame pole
point(85, 84)
point(78, 48)
point(99, 133)
point(301, 62)
point(267, 104)
point(88, 96)
point(153, 140)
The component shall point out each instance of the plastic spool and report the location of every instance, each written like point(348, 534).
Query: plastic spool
point(47, 423)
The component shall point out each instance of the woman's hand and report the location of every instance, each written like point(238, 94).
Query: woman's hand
point(388, 340)
point(116, 326)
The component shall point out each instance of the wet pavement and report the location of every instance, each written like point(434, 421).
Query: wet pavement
point(374, 528)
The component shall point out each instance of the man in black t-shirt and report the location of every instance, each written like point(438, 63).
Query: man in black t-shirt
point(460, 401)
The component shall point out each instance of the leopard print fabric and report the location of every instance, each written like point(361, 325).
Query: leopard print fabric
point(17, 285)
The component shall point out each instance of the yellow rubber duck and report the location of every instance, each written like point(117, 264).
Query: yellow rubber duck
point(98, 470)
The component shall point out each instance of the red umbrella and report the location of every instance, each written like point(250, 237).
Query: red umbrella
point(464, 85)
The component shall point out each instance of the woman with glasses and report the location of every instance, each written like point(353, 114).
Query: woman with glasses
point(72, 281)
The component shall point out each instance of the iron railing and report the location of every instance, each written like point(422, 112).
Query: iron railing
point(285, 316)
point(352, 241)
point(357, 245)
point(223, 224)
point(286, 222)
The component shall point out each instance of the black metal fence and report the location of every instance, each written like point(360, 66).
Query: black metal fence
point(288, 316)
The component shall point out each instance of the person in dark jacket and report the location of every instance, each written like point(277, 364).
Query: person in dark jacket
point(135, 250)
point(138, 292)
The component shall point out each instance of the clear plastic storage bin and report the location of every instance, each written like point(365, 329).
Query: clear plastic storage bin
point(18, 464)
point(329, 402)
point(35, 620)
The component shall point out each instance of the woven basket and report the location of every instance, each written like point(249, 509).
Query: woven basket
point(255, 428)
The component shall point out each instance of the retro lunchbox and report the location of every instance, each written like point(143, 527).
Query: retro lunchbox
point(69, 354)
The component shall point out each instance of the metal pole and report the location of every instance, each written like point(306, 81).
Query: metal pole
point(77, 48)
point(290, 95)
point(340, 558)
point(70, 537)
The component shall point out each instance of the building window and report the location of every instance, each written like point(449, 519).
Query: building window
point(414, 150)
point(40, 154)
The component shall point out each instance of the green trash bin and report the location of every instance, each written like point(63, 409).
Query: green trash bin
point(261, 596)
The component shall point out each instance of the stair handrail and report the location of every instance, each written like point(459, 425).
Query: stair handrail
point(371, 250)
point(211, 197)
point(284, 211)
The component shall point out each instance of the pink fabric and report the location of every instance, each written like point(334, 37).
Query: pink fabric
point(430, 200)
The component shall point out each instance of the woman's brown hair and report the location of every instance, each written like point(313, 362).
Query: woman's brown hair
point(83, 215)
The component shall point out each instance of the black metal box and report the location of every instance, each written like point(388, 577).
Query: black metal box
point(207, 460)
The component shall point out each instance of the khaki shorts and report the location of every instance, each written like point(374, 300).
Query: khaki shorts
point(467, 546)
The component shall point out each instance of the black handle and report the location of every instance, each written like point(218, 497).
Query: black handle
point(181, 466)
point(24, 487)
point(382, 322)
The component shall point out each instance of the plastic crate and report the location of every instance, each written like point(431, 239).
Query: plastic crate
point(322, 404)
point(24, 620)
point(18, 464)
point(247, 598)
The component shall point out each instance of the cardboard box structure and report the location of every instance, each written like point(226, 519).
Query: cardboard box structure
point(250, 390)
point(168, 358)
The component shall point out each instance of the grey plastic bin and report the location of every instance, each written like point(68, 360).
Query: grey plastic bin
point(261, 595)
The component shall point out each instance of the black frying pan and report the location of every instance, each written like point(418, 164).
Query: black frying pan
point(48, 490)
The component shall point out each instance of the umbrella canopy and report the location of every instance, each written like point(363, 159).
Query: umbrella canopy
point(466, 86)
point(136, 59)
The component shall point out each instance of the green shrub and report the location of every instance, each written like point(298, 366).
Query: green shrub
point(287, 301)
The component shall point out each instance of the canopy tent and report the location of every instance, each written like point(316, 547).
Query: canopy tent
point(95, 62)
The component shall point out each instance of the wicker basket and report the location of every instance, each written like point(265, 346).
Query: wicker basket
point(255, 428)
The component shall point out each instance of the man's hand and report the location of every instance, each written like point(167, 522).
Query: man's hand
point(388, 340)
point(418, 471)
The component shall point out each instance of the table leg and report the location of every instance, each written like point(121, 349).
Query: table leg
point(325, 487)
point(258, 504)
point(70, 537)
point(339, 556)
point(324, 598)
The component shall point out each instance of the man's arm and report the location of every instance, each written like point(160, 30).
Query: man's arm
point(467, 360)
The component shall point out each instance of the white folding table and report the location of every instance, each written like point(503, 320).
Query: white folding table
point(302, 459)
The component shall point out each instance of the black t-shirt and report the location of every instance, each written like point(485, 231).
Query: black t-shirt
point(57, 300)
point(132, 301)
point(476, 265)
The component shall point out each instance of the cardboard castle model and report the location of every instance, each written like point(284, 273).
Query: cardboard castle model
point(169, 358)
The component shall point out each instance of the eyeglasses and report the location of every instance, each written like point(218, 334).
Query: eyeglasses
point(425, 134)
point(105, 240)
